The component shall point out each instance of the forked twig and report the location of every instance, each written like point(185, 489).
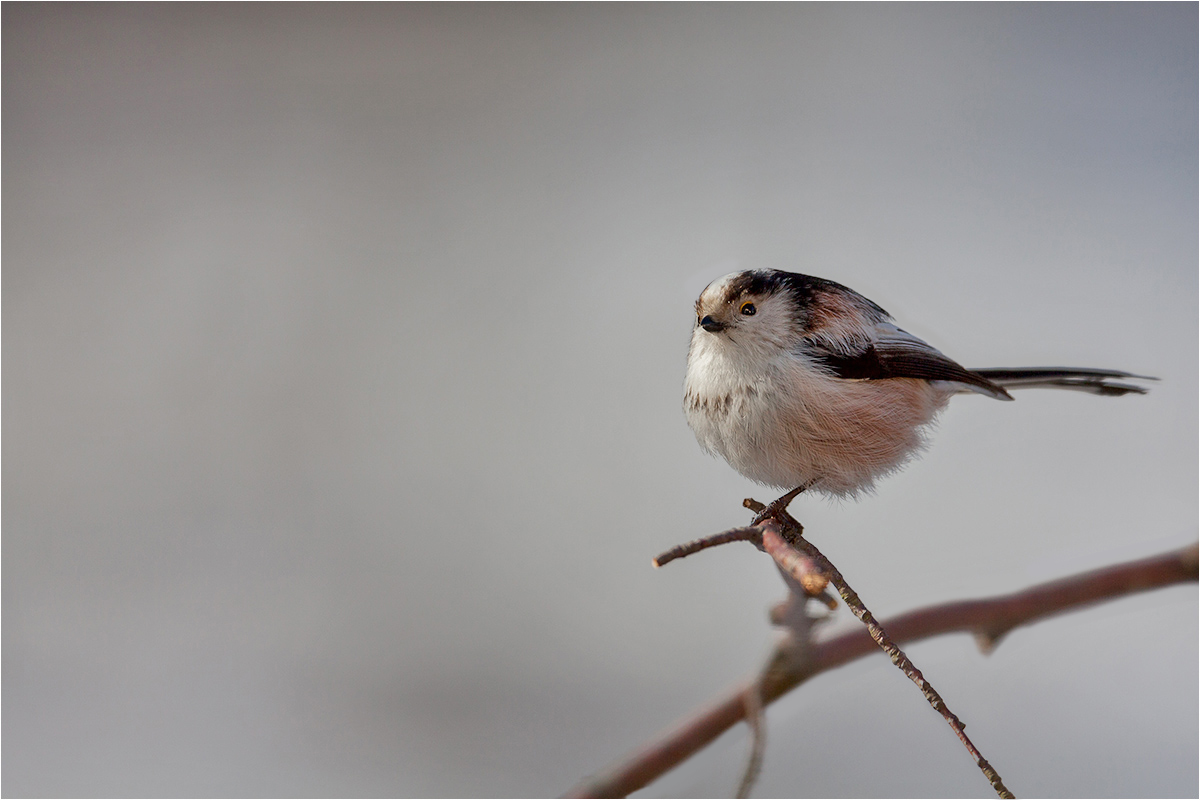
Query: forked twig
point(782, 537)
point(774, 542)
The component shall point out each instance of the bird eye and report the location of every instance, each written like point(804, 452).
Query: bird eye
point(748, 309)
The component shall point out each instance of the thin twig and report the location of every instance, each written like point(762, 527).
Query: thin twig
point(773, 542)
point(752, 534)
point(992, 616)
point(810, 575)
point(753, 703)
point(792, 653)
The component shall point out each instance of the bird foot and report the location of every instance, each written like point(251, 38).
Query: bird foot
point(776, 509)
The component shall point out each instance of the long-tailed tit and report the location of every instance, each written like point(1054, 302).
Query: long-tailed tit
point(800, 382)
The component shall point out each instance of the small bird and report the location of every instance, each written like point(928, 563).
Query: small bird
point(801, 383)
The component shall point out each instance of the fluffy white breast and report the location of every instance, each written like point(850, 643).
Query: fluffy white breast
point(780, 421)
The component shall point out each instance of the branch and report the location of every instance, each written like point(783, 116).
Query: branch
point(989, 620)
point(778, 548)
point(752, 701)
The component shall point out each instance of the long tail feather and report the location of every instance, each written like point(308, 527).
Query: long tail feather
point(1094, 381)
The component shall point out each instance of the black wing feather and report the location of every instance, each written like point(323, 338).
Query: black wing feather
point(900, 356)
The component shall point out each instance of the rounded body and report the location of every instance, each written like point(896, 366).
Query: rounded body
point(800, 381)
point(783, 422)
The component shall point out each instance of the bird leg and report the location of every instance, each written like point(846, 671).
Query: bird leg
point(776, 507)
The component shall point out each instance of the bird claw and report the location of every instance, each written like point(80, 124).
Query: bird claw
point(776, 509)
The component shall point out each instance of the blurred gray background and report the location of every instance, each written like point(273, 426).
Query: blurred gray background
point(342, 357)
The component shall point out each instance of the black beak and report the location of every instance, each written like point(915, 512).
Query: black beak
point(711, 325)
